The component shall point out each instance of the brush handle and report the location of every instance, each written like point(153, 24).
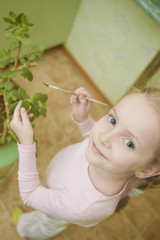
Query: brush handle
point(97, 101)
point(91, 99)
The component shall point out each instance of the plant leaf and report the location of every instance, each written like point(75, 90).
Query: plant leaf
point(10, 35)
point(26, 104)
point(13, 46)
point(12, 14)
point(43, 111)
point(44, 98)
point(13, 98)
point(2, 84)
point(2, 75)
point(12, 74)
point(9, 85)
point(29, 75)
point(22, 94)
point(11, 60)
point(12, 106)
point(3, 63)
point(8, 99)
point(10, 27)
point(32, 57)
point(1, 54)
point(26, 73)
point(2, 139)
point(8, 20)
point(18, 17)
point(34, 110)
point(36, 96)
point(14, 93)
point(25, 41)
point(40, 97)
point(9, 138)
point(22, 61)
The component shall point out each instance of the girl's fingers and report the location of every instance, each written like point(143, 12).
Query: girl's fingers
point(30, 115)
point(82, 99)
point(80, 96)
point(16, 113)
point(29, 109)
point(83, 91)
point(73, 99)
point(24, 116)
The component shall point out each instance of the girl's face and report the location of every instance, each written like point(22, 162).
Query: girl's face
point(125, 139)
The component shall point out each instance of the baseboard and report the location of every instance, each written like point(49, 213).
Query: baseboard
point(148, 72)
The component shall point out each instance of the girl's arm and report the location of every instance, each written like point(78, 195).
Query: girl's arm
point(80, 111)
point(54, 202)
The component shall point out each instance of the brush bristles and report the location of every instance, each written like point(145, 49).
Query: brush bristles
point(46, 84)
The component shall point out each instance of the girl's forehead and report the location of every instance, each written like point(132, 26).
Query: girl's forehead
point(135, 101)
point(136, 106)
point(132, 97)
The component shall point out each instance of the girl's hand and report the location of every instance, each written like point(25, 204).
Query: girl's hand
point(21, 125)
point(80, 105)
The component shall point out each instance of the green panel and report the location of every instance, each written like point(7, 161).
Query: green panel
point(151, 7)
point(8, 154)
point(52, 19)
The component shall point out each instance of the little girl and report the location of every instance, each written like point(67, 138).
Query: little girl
point(86, 181)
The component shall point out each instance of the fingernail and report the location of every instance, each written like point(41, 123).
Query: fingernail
point(22, 109)
point(81, 96)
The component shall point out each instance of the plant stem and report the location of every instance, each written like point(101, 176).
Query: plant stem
point(6, 109)
point(17, 55)
point(9, 119)
point(12, 134)
point(19, 68)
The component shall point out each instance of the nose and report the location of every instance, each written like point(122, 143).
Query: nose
point(106, 139)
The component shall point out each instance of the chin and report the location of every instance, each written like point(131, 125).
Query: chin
point(90, 156)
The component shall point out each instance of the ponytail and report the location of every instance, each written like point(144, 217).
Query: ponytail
point(143, 184)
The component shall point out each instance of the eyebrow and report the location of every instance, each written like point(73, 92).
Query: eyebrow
point(114, 110)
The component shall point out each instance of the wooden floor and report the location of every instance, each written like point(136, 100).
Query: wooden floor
point(139, 221)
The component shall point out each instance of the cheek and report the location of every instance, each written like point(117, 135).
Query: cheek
point(101, 126)
point(119, 154)
point(124, 159)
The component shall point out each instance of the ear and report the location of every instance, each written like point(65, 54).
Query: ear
point(148, 172)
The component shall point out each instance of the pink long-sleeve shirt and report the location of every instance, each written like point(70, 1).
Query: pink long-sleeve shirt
point(69, 193)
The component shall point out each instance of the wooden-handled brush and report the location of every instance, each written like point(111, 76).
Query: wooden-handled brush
point(75, 94)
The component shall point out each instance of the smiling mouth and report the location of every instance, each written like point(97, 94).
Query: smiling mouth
point(96, 150)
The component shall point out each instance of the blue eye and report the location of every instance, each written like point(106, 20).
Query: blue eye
point(112, 120)
point(129, 143)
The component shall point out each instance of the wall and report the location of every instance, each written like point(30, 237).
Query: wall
point(113, 41)
point(151, 7)
point(52, 19)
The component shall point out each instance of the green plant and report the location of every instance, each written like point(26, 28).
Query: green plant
point(12, 64)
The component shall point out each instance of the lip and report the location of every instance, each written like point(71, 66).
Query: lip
point(96, 150)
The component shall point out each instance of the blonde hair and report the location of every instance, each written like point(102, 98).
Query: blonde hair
point(153, 97)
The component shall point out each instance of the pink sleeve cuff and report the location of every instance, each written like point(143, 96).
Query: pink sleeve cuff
point(86, 126)
point(27, 149)
point(27, 158)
